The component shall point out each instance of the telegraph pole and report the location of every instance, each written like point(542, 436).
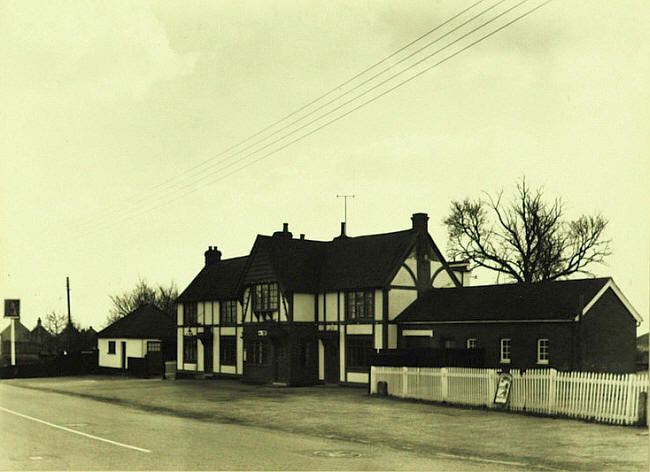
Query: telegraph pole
point(345, 206)
point(67, 288)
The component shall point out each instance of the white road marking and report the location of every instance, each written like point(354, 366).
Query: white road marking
point(97, 438)
point(490, 461)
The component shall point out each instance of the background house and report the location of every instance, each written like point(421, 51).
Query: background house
point(145, 330)
point(583, 325)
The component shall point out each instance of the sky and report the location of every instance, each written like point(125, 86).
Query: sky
point(117, 119)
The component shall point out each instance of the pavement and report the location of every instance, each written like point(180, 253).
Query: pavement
point(321, 428)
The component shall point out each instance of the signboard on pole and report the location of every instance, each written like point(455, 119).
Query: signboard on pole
point(503, 389)
point(12, 308)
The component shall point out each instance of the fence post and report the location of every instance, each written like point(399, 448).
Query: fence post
point(629, 400)
point(405, 381)
point(552, 378)
point(444, 385)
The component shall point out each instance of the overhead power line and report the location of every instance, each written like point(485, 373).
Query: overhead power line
point(174, 180)
point(370, 100)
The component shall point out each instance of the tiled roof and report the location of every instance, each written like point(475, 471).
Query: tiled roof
point(364, 261)
point(147, 321)
point(216, 281)
point(537, 301)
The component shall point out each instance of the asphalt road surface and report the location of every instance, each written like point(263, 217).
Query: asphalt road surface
point(49, 431)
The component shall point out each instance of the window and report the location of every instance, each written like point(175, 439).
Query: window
point(472, 343)
point(228, 350)
point(190, 316)
point(506, 350)
point(359, 305)
point(189, 350)
point(111, 347)
point(450, 343)
point(153, 346)
point(359, 349)
point(257, 353)
point(265, 298)
point(542, 351)
point(228, 313)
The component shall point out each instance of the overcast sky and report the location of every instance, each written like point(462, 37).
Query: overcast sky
point(110, 110)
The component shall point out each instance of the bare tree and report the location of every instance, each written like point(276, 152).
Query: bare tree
point(527, 239)
point(143, 294)
point(55, 323)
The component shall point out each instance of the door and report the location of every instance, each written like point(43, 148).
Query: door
point(123, 343)
point(331, 361)
point(208, 355)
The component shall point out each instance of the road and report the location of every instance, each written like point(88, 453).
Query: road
point(50, 431)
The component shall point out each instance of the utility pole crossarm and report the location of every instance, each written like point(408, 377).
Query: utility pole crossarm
point(345, 205)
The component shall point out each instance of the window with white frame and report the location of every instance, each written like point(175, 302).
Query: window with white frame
point(359, 305)
point(472, 343)
point(506, 350)
point(542, 351)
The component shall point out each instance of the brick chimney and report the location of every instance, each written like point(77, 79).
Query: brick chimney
point(285, 233)
point(212, 255)
point(420, 226)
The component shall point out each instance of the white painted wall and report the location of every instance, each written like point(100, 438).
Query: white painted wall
point(357, 377)
point(134, 348)
point(240, 351)
point(303, 307)
point(442, 280)
point(378, 336)
point(360, 329)
point(179, 314)
point(379, 304)
point(179, 345)
point(392, 336)
point(398, 300)
point(331, 313)
point(321, 360)
point(342, 356)
point(403, 277)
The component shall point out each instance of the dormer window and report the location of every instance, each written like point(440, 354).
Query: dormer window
point(265, 298)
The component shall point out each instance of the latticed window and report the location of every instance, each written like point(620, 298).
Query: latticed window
point(154, 346)
point(228, 350)
point(359, 305)
point(358, 351)
point(472, 343)
point(190, 314)
point(189, 349)
point(265, 297)
point(228, 312)
point(542, 351)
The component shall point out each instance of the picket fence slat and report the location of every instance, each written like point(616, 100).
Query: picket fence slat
point(603, 397)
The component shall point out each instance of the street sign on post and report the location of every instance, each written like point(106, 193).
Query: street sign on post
point(12, 311)
point(12, 308)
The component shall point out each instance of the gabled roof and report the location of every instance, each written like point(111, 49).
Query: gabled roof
point(556, 300)
point(295, 262)
point(364, 261)
point(216, 281)
point(145, 322)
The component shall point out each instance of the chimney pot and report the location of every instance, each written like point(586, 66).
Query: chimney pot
point(302, 235)
point(212, 255)
point(285, 227)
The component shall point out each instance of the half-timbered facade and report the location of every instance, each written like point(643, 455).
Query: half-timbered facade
point(297, 311)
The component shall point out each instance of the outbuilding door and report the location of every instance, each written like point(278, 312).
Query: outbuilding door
point(207, 355)
point(123, 344)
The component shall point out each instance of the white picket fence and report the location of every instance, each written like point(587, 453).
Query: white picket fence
point(607, 398)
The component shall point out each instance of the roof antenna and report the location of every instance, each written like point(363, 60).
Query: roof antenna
point(345, 206)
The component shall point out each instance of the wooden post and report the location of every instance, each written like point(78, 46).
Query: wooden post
point(405, 381)
point(551, 391)
point(444, 384)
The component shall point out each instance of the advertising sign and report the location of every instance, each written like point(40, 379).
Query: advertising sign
point(503, 389)
point(12, 308)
